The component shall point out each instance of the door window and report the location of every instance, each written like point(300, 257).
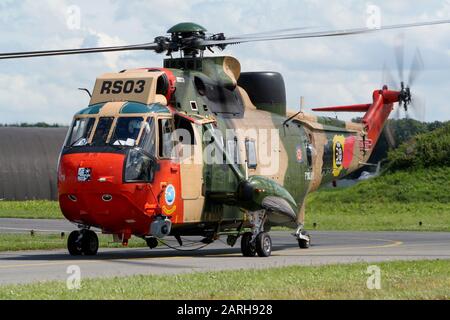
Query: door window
point(165, 138)
point(250, 147)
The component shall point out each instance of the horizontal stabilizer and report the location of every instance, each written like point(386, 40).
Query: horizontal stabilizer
point(352, 108)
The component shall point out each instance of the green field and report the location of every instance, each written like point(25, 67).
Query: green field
point(399, 280)
point(37, 209)
point(14, 242)
point(400, 201)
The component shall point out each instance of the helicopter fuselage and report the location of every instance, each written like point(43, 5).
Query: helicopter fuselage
point(187, 148)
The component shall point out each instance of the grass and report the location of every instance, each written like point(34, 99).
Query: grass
point(399, 280)
point(15, 242)
point(36, 209)
point(403, 201)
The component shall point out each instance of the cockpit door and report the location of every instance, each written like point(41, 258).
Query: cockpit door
point(190, 155)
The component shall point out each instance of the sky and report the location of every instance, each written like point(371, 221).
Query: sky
point(326, 71)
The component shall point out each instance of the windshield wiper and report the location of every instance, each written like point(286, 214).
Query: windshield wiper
point(78, 140)
point(117, 144)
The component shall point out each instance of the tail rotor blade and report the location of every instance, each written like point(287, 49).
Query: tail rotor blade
point(390, 137)
point(418, 108)
point(396, 115)
point(400, 54)
point(388, 78)
point(417, 68)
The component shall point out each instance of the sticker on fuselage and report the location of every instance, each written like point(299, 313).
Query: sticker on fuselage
point(170, 195)
point(84, 174)
point(309, 175)
point(299, 154)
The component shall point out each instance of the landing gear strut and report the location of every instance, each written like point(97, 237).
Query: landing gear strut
point(257, 241)
point(82, 242)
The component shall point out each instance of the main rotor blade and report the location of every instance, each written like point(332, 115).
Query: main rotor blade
point(417, 67)
point(47, 53)
point(400, 55)
point(266, 33)
point(320, 34)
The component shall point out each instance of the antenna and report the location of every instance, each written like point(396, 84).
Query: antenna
point(86, 90)
point(302, 102)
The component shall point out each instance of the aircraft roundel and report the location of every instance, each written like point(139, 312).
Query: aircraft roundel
point(338, 154)
point(170, 195)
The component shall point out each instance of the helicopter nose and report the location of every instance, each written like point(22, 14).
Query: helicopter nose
point(92, 192)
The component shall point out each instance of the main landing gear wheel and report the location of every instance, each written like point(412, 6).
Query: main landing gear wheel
point(248, 247)
point(263, 245)
point(82, 242)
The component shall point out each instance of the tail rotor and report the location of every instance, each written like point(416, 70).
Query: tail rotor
point(412, 104)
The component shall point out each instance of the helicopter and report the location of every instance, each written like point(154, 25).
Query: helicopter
point(199, 148)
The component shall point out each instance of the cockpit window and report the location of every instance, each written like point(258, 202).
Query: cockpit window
point(148, 138)
point(102, 131)
point(81, 131)
point(127, 131)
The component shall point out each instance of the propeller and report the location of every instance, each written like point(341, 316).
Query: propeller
point(192, 41)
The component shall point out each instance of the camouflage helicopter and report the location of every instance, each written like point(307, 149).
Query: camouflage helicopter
point(199, 148)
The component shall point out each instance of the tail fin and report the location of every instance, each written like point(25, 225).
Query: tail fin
point(377, 112)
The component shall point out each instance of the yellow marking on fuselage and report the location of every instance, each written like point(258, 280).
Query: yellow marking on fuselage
point(169, 211)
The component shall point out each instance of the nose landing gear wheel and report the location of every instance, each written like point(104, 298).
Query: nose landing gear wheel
point(248, 248)
point(74, 243)
point(82, 242)
point(89, 243)
point(263, 245)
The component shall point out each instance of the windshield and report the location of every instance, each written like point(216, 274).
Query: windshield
point(124, 132)
point(127, 131)
point(81, 130)
point(102, 131)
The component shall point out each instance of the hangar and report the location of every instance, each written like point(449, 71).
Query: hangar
point(28, 162)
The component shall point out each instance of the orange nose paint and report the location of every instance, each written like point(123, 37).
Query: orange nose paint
point(88, 177)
